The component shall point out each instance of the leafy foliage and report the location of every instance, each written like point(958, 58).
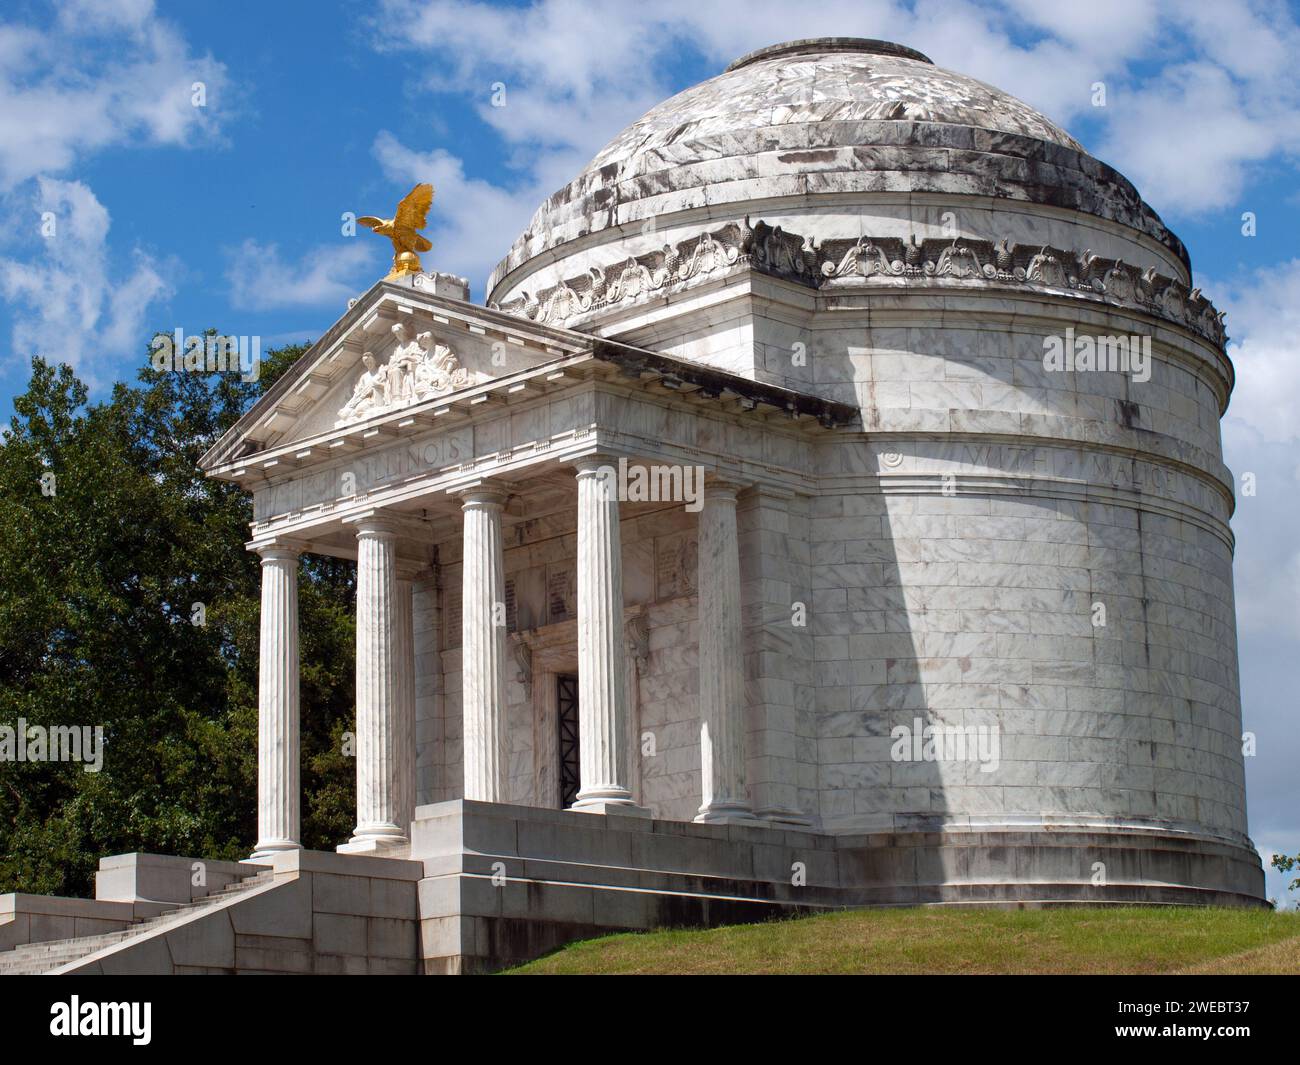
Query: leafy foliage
point(98, 583)
point(1284, 864)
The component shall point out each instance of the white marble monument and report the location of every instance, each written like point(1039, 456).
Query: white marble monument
point(942, 600)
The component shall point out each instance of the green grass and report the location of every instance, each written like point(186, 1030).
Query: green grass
point(958, 941)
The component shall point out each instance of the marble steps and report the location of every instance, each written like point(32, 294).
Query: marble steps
point(35, 958)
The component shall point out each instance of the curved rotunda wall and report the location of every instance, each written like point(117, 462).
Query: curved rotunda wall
point(960, 553)
point(961, 543)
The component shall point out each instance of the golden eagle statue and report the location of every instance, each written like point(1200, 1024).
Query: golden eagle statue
point(412, 214)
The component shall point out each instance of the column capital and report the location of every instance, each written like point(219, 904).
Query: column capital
point(594, 463)
point(276, 547)
point(374, 523)
point(487, 492)
point(278, 552)
point(722, 488)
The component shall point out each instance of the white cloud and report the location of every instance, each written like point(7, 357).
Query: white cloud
point(69, 306)
point(578, 72)
point(78, 15)
point(1263, 316)
point(1234, 131)
point(1261, 436)
point(55, 107)
point(101, 74)
point(325, 276)
point(473, 221)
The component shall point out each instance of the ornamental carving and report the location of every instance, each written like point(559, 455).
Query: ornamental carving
point(636, 641)
point(419, 368)
point(958, 260)
point(1046, 269)
point(865, 259)
point(709, 254)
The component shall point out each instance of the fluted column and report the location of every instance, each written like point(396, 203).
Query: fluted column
point(278, 800)
point(722, 675)
point(483, 645)
point(602, 701)
point(377, 700)
point(404, 738)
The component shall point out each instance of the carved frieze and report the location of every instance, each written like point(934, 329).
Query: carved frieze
point(771, 250)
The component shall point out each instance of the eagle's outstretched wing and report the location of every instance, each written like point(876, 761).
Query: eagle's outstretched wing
point(413, 211)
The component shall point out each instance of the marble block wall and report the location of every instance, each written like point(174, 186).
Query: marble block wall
point(980, 611)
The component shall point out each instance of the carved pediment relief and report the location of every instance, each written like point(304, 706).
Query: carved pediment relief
point(385, 355)
point(418, 368)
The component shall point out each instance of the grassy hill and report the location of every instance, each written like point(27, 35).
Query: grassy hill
point(934, 940)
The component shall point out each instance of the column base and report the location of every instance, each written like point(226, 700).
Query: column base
point(726, 813)
point(620, 807)
point(385, 846)
point(270, 848)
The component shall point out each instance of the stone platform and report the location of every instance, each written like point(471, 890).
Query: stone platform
point(487, 885)
point(504, 884)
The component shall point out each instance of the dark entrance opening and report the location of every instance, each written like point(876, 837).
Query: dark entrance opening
point(566, 718)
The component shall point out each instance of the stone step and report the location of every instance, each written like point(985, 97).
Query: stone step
point(32, 958)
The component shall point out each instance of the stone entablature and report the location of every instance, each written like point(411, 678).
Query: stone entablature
point(869, 261)
point(424, 461)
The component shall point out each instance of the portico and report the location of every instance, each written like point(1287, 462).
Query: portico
point(496, 559)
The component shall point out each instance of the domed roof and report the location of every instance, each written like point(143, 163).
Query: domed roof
point(835, 79)
point(834, 115)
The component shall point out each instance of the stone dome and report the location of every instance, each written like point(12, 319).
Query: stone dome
point(824, 117)
point(779, 89)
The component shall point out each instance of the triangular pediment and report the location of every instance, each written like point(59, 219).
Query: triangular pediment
point(396, 349)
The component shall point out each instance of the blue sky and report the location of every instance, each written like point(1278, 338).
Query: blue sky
point(228, 215)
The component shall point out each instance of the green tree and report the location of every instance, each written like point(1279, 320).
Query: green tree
point(1284, 864)
point(110, 539)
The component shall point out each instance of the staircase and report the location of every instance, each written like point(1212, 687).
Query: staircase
point(35, 958)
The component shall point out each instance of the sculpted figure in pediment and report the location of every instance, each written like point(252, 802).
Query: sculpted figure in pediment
point(404, 363)
point(418, 369)
point(371, 392)
point(438, 372)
